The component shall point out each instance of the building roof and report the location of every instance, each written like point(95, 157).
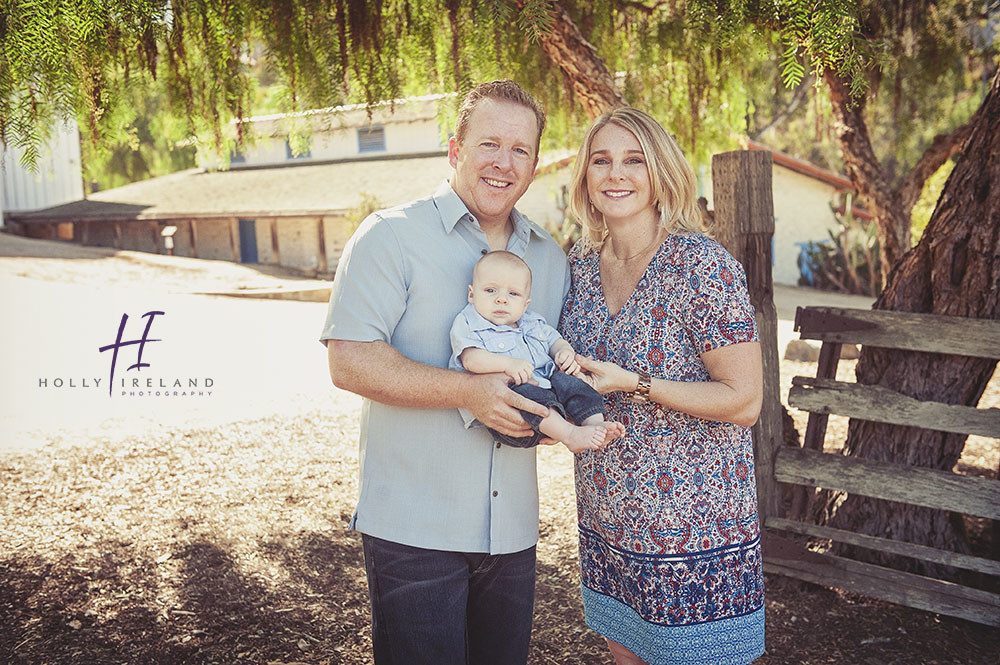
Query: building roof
point(285, 191)
point(837, 181)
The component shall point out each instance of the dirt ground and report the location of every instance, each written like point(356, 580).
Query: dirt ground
point(227, 544)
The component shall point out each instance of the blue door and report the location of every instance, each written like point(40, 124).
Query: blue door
point(248, 241)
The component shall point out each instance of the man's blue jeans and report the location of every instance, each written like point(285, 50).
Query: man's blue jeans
point(449, 608)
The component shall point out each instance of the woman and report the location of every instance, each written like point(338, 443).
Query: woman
point(669, 538)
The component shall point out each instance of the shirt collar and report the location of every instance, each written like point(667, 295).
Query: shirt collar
point(452, 209)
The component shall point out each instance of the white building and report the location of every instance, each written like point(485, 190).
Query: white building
point(58, 177)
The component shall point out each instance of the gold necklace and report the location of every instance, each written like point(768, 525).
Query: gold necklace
point(656, 241)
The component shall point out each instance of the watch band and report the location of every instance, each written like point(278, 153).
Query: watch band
point(641, 392)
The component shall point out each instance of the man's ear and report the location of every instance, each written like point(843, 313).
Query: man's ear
point(470, 292)
point(453, 151)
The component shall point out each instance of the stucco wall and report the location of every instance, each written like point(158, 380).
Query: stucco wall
point(298, 242)
point(214, 239)
point(801, 213)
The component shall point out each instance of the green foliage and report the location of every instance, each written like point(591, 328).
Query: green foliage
point(925, 205)
point(82, 59)
point(367, 203)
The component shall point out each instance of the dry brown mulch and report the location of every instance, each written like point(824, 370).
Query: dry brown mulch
point(229, 546)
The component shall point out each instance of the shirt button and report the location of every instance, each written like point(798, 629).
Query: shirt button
point(484, 252)
point(495, 493)
point(502, 345)
point(498, 445)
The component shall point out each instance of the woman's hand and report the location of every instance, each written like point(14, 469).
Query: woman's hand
point(606, 377)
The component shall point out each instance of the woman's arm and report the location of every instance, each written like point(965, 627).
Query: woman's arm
point(733, 395)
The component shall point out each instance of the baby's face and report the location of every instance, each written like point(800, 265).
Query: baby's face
point(500, 293)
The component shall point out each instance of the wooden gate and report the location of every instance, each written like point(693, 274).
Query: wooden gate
point(744, 223)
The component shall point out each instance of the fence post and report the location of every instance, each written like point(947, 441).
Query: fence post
point(744, 224)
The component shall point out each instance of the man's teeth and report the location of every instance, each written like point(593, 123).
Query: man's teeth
point(496, 183)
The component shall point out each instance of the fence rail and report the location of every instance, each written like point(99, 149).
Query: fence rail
point(809, 467)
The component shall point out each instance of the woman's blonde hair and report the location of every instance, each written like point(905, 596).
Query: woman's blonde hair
point(671, 176)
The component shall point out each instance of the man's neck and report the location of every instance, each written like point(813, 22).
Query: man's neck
point(497, 233)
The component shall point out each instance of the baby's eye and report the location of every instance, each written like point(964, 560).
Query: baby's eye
point(489, 290)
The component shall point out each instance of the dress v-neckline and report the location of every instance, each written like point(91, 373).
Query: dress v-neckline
point(600, 282)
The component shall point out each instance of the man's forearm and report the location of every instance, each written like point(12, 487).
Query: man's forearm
point(381, 373)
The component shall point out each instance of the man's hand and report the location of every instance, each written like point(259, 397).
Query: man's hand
point(495, 405)
point(519, 370)
point(566, 361)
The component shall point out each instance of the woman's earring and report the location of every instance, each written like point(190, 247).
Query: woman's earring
point(592, 208)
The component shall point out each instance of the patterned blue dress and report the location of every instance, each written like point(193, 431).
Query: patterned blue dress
point(669, 538)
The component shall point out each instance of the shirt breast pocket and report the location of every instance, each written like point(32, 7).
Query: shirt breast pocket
point(501, 343)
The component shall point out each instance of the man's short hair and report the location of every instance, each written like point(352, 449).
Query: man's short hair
point(502, 90)
point(503, 257)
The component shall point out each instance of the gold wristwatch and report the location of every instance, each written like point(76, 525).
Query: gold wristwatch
point(641, 392)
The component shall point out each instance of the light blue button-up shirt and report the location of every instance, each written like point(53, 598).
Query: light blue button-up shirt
point(426, 480)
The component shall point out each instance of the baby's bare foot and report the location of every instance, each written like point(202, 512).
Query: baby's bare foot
point(593, 437)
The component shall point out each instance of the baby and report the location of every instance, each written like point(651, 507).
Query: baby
point(496, 333)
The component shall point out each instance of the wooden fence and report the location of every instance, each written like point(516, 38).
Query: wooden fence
point(744, 222)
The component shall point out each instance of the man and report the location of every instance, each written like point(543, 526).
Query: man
point(448, 517)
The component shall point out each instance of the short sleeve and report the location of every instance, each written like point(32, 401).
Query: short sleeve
point(718, 310)
point(369, 290)
point(462, 337)
point(546, 334)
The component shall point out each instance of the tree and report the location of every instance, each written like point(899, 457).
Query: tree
point(954, 270)
point(927, 44)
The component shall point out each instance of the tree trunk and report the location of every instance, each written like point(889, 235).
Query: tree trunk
point(586, 74)
point(954, 271)
point(892, 222)
point(891, 205)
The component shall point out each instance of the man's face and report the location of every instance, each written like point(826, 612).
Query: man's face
point(499, 292)
point(495, 162)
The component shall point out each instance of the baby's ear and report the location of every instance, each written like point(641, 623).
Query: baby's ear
point(470, 292)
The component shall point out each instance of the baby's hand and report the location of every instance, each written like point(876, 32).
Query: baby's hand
point(566, 360)
point(520, 370)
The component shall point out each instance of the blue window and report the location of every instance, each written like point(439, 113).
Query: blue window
point(371, 139)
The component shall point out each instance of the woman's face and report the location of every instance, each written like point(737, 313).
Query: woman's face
point(617, 177)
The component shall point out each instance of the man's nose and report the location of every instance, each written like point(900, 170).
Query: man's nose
point(502, 159)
